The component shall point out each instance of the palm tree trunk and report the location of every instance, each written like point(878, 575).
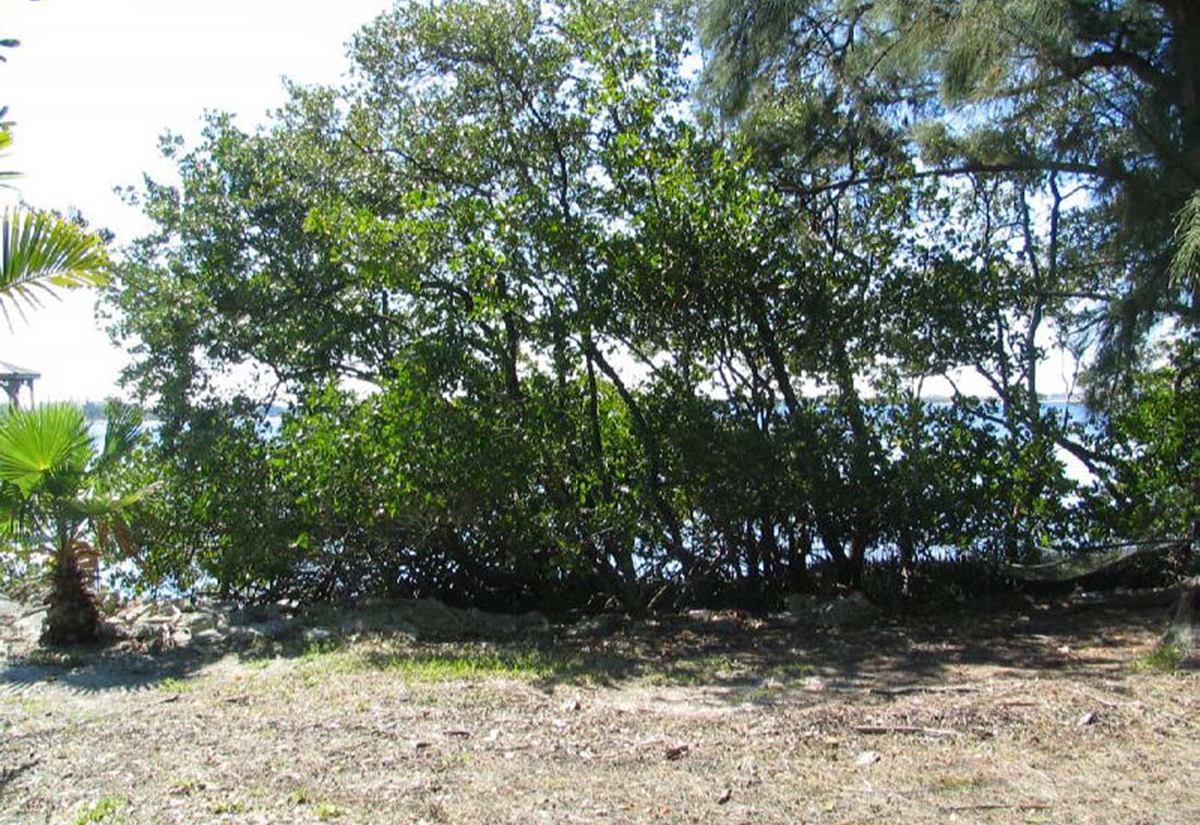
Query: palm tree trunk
point(73, 617)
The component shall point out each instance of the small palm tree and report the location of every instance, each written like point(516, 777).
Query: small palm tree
point(60, 495)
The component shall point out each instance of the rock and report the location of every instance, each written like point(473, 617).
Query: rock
point(814, 684)
point(10, 609)
point(676, 752)
point(243, 634)
point(134, 611)
point(718, 620)
point(852, 611)
point(29, 626)
point(212, 636)
point(790, 618)
point(602, 624)
point(503, 624)
point(255, 614)
point(350, 625)
point(274, 629)
point(802, 602)
point(1184, 631)
point(532, 622)
point(167, 612)
point(317, 635)
point(113, 631)
point(146, 629)
point(432, 617)
point(867, 758)
point(197, 622)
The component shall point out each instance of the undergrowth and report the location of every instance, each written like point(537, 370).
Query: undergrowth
point(1160, 659)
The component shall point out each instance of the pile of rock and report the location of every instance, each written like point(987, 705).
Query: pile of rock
point(181, 622)
point(850, 611)
point(428, 619)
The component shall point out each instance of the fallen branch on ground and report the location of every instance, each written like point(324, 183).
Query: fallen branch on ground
point(996, 806)
point(901, 691)
point(904, 729)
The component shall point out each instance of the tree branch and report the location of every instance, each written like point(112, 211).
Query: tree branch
point(1033, 165)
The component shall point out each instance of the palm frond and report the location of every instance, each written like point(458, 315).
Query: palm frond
point(41, 252)
point(13, 506)
point(121, 436)
point(42, 447)
point(1185, 265)
point(101, 507)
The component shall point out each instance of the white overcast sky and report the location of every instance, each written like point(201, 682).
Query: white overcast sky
point(93, 85)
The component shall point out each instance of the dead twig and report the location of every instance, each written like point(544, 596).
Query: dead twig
point(907, 689)
point(905, 729)
point(996, 806)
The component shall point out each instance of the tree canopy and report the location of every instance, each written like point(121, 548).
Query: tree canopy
point(1096, 102)
point(547, 330)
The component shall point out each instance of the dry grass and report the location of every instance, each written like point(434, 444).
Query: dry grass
point(1040, 718)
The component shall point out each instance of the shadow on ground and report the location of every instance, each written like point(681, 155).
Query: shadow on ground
point(734, 657)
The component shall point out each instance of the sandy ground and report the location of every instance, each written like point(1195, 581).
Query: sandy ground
point(1038, 715)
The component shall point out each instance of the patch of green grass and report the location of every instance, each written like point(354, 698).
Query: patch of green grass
point(327, 810)
point(438, 666)
point(1161, 659)
point(44, 657)
point(793, 672)
point(227, 806)
point(26, 705)
point(459, 662)
point(187, 787)
point(173, 685)
point(257, 662)
point(725, 670)
point(104, 810)
point(457, 759)
point(699, 671)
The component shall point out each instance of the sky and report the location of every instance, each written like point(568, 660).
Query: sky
point(93, 85)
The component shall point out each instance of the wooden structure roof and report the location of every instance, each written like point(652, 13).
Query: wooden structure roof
point(12, 378)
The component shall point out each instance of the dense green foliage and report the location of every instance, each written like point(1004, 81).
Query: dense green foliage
point(1095, 103)
point(549, 332)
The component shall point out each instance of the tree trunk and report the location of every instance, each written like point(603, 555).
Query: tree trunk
point(1185, 626)
point(73, 618)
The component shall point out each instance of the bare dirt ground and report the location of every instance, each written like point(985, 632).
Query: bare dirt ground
point(1038, 715)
